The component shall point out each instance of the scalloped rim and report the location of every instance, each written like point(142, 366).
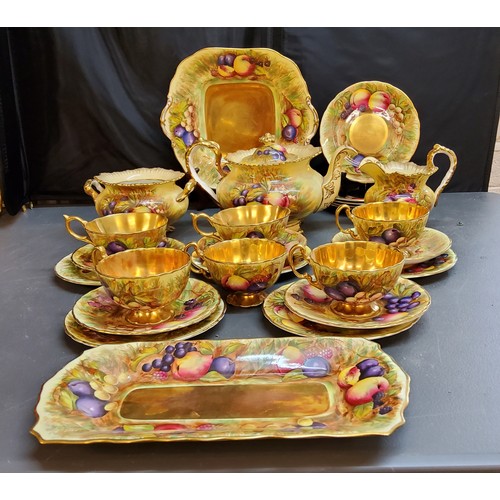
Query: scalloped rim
point(139, 176)
point(303, 152)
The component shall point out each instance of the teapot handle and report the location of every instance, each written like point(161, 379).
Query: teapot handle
point(215, 148)
point(93, 188)
point(451, 169)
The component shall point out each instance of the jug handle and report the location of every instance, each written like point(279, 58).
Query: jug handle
point(93, 188)
point(215, 148)
point(451, 169)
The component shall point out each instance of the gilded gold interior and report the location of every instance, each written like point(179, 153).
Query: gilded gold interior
point(244, 250)
point(270, 400)
point(390, 211)
point(356, 256)
point(142, 262)
point(250, 215)
point(368, 133)
point(126, 223)
point(237, 114)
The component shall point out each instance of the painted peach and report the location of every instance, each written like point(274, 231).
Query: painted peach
point(315, 294)
point(243, 66)
point(290, 358)
point(276, 198)
point(225, 71)
point(294, 117)
point(363, 391)
point(234, 282)
point(348, 377)
point(379, 100)
point(359, 97)
point(192, 366)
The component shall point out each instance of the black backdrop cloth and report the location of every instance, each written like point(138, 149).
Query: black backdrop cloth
point(79, 101)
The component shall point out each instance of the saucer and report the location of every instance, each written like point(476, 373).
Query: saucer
point(437, 265)
point(97, 311)
point(321, 312)
point(289, 238)
point(375, 118)
point(92, 338)
point(277, 312)
point(82, 257)
point(67, 271)
point(430, 244)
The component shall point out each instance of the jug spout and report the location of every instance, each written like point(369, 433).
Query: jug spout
point(332, 179)
point(372, 167)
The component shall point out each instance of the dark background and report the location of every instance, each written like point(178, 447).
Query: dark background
point(79, 101)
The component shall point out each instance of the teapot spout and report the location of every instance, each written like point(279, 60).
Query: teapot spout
point(331, 181)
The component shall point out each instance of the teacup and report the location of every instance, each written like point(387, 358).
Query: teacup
point(146, 281)
point(120, 232)
point(245, 267)
point(249, 221)
point(354, 275)
point(396, 224)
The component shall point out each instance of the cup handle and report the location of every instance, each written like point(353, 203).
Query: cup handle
point(195, 269)
point(69, 219)
point(312, 280)
point(347, 209)
point(451, 169)
point(98, 254)
point(196, 217)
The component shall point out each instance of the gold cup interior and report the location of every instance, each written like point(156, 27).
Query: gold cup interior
point(126, 223)
point(390, 211)
point(251, 215)
point(356, 256)
point(244, 251)
point(143, 263)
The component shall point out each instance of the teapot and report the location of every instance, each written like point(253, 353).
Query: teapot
point(272, 175)
point(140, 190)
point(395, 181)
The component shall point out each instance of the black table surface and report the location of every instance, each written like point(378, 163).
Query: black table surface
point(452, 356)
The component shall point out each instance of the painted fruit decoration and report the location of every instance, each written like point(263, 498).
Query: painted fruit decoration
point(187, 130)
point(362, 101)
point(231, 65)
point(253, 284)
point(365, 384)
point(291, 121)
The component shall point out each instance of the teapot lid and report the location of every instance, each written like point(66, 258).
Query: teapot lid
point(269, 153)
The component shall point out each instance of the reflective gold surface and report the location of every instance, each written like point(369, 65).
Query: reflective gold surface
point(368, 133)
point(145, 281)
point(237, 114)
point(126, 223)
point(238, 222)
point(356, 256)
point(244, 251)
point(390, 211)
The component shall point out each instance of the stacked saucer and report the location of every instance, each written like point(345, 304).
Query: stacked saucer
point(97, 319)
point(356, 289)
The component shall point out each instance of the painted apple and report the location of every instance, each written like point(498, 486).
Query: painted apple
point(294, 117)
point(192, 366)
point(360, 97)
point(289, 358)
point(379, 100)
point(363, 391)
point(243, 66)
